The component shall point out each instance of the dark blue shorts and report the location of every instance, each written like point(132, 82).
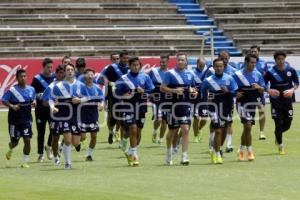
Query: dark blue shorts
point(89, 127)
point(61, 127)
point(180, 115)
point(16, 131)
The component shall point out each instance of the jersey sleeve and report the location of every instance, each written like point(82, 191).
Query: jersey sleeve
point(261, 80)
point(204, 90)
point(233, 87)
point(295, 77)
point(6, 97)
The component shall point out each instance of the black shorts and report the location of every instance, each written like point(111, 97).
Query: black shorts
point(89, 127)
point(200, 110)
point(16, 131)
point(42, 114)
point(180, 115)
point(246, 112)
point(158, 112)
point(282, 111)
point(113, 115)
point(130, 118)
point(61, 127)
point(221, 115)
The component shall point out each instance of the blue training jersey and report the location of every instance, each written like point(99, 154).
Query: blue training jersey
point(175, 78)
point(89, 110)
point(23, 97)
point(157, 76)
point(130, 81)
point(245, 80)
point(213, 86)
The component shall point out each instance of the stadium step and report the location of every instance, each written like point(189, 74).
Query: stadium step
point(200, 22)
point(196, 17)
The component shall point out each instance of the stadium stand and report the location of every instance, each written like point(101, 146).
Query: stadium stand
point(98, 27)
point(274, 25)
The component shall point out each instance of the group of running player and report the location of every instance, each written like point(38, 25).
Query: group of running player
point(71, 99)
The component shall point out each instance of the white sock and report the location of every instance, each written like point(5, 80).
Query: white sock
point(218, 153)
point(261, 132)
point(249, 148)
point(229, 140)
point(134, 151)
point(242, 148)
point(211, 139)
point(169, 151)
point(184, 155)
point(89, 152)
point(67, 153)
point(25, 158)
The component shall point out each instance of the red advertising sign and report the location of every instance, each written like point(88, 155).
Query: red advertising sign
point(9, 66)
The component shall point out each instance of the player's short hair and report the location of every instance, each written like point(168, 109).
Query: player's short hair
point(164, 57)
point(47, 61)
point(59, 68)
point(123, 53)
point(70, 64)
point(223, 51)
point(181, 54)
point(64, 58)
point(89, 70)
point(133, 59)
point(279, 53)
point(80, 63)
point(255, 47)
point(114, 53)
point(20, 71)
point(200, 59)
point(217, 60)
point(249, 56)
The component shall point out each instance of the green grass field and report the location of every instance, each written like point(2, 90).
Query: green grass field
point(270, 176)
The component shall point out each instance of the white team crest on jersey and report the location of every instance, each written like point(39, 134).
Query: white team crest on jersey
point(26, 130)
point(204, 111)
point(73, 128)
point(289, 74)
point(142, 81)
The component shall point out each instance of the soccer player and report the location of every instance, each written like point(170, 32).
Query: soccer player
point(283, 82)
point(42, 114)
point(67, 94)
point(200, 111)
point(219, 90)
point(88, 111)
point(179, 83)
point(251, 86)
point(66, 60)
point(107, 89)
point(230, 70)
point(59, 76)
point(112, 74)
point(157, 75)
point(80, 67)
point(262, 67)
point(19, 99)
point(132, 88)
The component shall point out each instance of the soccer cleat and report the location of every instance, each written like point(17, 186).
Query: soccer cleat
point(213, 157)
point(241, 155)
point(68, 166)
point(8, 154)
point(129, 159)
point(229, 149)
point(56, 161)
point(25, 165)
point(219, 159)
point(89, 159)
point(250, 156)
point(185, 162)
point(110, 138)
point(262, 137)
point(49, 152)
point(281, 151)
point(40, 158)
point(78, 147)
point(135, 161)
